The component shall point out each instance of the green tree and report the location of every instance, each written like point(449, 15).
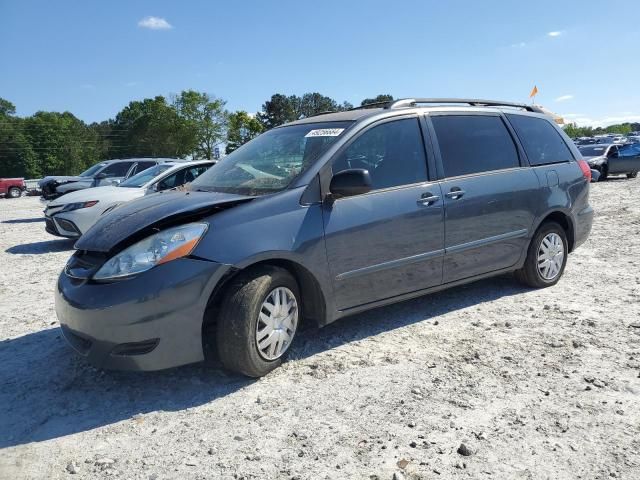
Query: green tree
point(151, 128)
point(278, 110)
point(62, 144)
point(206, 121)
point(282, 109)
point(6, 108)
point(379, 98)
point(242, 128)
point(311, 104)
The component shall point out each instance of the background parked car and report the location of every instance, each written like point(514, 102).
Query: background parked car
point(74, 213)
point(109, 172)
point(12, 187)
point(613, 159)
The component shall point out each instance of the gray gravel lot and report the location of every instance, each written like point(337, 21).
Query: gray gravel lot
point(535, 384)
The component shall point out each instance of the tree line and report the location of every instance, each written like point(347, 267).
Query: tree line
point(190, 124)
point(574, 131)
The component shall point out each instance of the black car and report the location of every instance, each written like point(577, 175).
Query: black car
point(322, 218)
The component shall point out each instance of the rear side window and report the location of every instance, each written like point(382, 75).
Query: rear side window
point(142, 166)
point(474, 144)
point(118, 169)
point(542, 143)
point(393, 153)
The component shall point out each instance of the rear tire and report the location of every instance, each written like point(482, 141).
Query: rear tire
point(632, 175)
point(14, 192)
point(241, 320)
point(546, 257)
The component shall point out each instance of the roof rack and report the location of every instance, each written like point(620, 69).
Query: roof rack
point(411, 102)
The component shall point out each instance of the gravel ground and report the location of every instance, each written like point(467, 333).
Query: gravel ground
point(490, 380)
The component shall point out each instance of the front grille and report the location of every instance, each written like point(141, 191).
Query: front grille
point(83, 265)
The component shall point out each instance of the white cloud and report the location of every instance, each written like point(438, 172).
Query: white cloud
point(564, 98)
point(554, 34)
point(586, 121)
point(155, 23)
point(519, 45)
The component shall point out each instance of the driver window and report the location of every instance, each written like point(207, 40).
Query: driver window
point(393, 153)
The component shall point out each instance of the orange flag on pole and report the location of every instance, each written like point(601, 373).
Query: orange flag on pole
point(534, 92)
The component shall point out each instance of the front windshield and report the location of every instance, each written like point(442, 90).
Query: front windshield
point(593, 151)
point(145, 176)
point(91, 171)
point(270, 162)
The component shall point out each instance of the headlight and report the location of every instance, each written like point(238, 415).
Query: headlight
point(155, 250)
point(77, 206)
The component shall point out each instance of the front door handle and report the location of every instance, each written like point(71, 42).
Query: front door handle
point(427, 199)
point(455, 193)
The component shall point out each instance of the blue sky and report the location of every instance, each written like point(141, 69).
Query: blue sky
point(91, 58)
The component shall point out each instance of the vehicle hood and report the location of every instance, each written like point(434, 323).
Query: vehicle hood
point(595, 159)
point(139, 218)
point(97, 193)
point(60, 179)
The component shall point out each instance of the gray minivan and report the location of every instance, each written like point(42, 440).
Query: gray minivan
point(319, 219)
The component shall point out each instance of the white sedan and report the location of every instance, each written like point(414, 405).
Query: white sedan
point(73, 214)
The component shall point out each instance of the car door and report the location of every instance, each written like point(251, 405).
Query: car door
point(489, 195)
point(389, 241)
point(627, 159)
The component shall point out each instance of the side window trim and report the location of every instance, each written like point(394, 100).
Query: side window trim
point(327, 171)
point(522, 159)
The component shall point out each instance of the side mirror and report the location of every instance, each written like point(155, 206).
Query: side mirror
point(347, 183)
point(595, 175)
point(101, 176)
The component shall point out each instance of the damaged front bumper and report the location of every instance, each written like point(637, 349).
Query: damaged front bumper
point(151, 321)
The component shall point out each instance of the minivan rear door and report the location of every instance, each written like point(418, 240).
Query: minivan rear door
point(389, 241)
point(489, 195)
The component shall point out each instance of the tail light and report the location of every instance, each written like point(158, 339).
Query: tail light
point(586, 169)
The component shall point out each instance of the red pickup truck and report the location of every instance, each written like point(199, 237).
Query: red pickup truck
point(12, 187)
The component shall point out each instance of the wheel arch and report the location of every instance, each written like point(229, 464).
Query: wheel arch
point(314, 305)
point(565, 221)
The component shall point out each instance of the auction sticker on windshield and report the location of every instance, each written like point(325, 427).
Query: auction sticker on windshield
point(325, 132)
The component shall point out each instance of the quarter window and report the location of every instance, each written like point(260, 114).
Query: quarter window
point(393, 153)
point(541, 141)
point(474, 144)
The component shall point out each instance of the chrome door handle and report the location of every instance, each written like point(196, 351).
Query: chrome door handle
point(454, 194)
point(427, 199)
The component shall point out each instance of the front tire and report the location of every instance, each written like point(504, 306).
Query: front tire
point(258, 320)
point(604, 173)
point(14, 192)
point(546, 257)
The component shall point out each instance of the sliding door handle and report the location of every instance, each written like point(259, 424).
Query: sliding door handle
point(428, 199)
point(455, 193)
